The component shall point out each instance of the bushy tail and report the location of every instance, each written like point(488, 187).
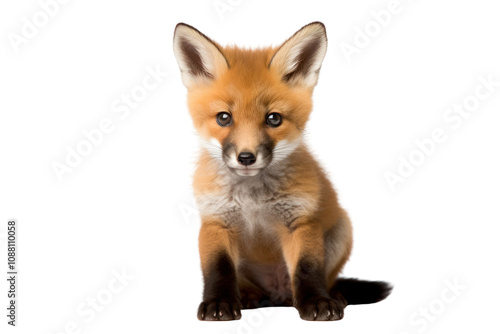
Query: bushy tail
point(362, 292)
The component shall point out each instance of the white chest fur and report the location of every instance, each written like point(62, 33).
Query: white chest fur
point(253, 202)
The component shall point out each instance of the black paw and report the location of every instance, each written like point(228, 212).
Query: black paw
point(321, 309)
point(219, 310)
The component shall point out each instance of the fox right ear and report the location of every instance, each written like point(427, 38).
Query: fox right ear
point(299, 59)
point(200, 59)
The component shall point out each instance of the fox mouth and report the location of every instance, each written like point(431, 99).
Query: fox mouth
point(246, 171)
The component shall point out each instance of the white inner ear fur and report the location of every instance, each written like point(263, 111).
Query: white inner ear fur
point(212, 59)
point(288, 57)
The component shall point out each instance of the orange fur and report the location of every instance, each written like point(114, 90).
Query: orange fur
point(250, 84)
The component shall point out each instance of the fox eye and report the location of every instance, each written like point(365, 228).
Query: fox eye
point(224, 118)
point(274, 119)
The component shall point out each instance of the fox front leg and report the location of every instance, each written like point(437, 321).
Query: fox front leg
point(303, 249)
point(221, 298)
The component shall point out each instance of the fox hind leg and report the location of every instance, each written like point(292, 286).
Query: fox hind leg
point(348, 291)
point(338, 245)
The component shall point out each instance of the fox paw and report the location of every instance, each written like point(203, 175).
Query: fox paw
point(222, 310)
point(321, 309)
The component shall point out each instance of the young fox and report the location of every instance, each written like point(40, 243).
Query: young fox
point(272, 233)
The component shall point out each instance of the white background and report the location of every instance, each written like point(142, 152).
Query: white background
point(129, 203)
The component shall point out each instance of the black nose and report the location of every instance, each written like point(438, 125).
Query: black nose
point(246, 158)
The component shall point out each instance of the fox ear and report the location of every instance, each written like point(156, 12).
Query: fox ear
point(200, 59)
point(299, 59)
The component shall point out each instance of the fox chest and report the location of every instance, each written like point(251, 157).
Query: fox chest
point(253, 212)
point(259, 214)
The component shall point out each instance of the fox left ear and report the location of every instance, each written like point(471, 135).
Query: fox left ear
point(299, 59)
point(200, 59)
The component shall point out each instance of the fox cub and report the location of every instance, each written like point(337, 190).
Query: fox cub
point(272, 233)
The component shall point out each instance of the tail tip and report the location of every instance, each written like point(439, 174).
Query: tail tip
point(363, 292)
point(384, 290)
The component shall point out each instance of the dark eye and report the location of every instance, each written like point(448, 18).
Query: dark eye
point(224, 118)
point(274, 119)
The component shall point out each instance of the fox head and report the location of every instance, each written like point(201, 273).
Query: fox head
point(250, 107)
